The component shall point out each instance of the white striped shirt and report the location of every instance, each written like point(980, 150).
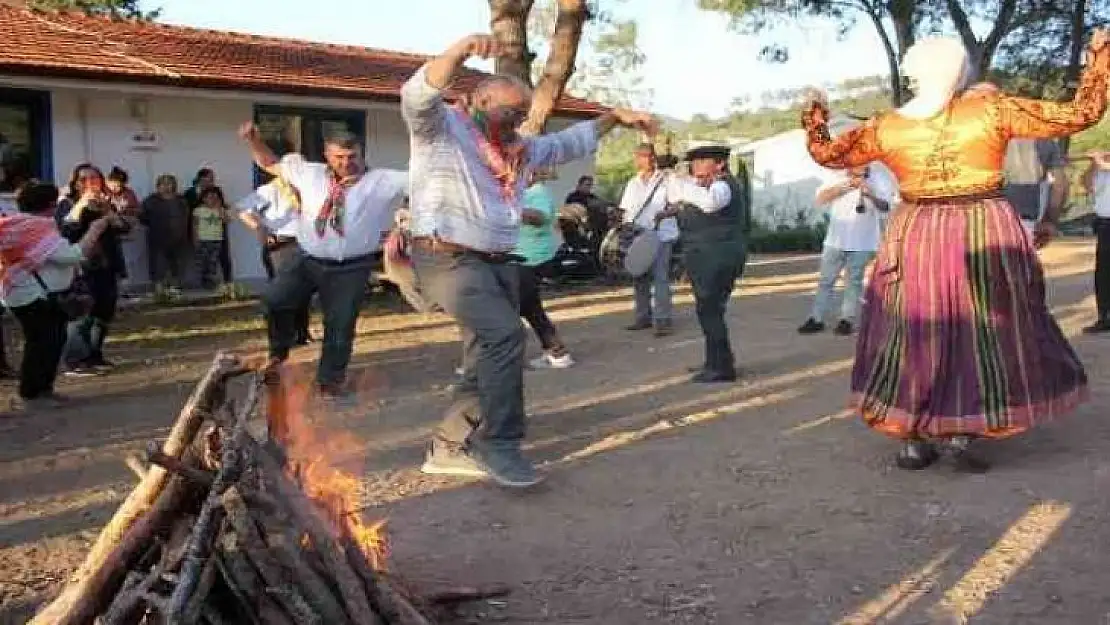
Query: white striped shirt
point(453, 194)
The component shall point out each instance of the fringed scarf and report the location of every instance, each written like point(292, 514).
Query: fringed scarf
point(505, 162)
point(26, 242)
point(334, 210)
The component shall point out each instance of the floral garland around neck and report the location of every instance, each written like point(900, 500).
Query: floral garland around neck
point(505, 162)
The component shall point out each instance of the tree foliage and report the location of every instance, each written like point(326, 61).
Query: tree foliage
point(130, 9)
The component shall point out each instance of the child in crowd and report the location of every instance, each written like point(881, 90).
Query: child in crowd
point(208, 231)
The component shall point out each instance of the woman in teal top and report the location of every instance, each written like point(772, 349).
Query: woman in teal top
point(538, 245)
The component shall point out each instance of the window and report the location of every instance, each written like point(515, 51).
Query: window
point(24, 137)
point(302, 131)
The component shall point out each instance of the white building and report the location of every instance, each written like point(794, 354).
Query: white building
point(785, 177)
point(156, 99)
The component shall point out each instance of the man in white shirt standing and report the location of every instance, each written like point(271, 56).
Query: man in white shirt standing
point(469, 170)
point(643, 203)
point(271, 212)
point(1096, 179)
point(346, 212)
point(855, 200)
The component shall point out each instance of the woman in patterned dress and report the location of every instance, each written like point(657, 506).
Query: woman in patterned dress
point(956, 341)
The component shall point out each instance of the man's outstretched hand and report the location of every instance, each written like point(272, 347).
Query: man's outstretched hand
point(644, 122)
point(478, 45)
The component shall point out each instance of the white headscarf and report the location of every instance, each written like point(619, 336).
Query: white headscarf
point(939, 67)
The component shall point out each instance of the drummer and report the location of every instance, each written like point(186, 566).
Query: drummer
point(643, 205)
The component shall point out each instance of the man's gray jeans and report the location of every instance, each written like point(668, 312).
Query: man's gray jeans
point(487, 413)
point(656, 282)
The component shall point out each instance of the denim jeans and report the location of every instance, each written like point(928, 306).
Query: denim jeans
point(833, 262)
point(656, 282)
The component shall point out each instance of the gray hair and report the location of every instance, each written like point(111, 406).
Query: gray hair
point(343, 139)
point(502, 80)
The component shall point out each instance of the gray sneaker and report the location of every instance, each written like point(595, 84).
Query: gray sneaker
point(508, 468)
point(444, 460)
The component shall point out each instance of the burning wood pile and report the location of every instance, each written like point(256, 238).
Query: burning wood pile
point(220, 530)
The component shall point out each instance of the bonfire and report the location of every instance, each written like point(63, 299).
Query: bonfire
point(228, 527)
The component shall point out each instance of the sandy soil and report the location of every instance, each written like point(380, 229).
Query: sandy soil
point(761, 502)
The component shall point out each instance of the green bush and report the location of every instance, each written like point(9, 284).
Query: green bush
point(804, 239)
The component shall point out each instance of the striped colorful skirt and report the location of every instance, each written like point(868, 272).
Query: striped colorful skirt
point(955, 336)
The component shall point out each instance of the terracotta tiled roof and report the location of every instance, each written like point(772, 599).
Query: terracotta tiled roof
point(73, 45)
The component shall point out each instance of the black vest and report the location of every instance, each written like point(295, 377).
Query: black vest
point(732, 223)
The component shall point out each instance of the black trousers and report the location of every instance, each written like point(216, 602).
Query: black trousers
point(86, 342)
point(531, 308)
point(342, 287)
point(225, 257)
point(1102, 267)
point(714, 268)
point(44, 331)
point(274, 258)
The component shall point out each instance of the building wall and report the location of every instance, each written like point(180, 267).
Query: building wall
point(95, 123)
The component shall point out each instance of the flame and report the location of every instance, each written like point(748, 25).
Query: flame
point(313, 455)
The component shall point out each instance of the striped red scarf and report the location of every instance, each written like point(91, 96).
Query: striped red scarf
point(334, 209)
point(505, 162)
point(26, 242)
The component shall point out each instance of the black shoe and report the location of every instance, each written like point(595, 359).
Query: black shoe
point(843, 328)
point(639, 325)
point(81, 370)
point(916, 455)
point(811, 326)
point(100, 364)
point(303, 339)
point(1101, 326)
point(708, 376)
point(964, 459)
point(664, 328)
point(509, 468)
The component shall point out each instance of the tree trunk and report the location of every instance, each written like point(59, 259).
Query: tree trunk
point(1075, 58)
point(982, 52)
point(892, 58)
point(902, 16)
point(509, 25)
point(559, 65)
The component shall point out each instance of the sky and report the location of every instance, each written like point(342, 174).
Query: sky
point(694, 63)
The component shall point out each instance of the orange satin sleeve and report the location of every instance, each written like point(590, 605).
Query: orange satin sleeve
point(1041, 119)
point(856, 147)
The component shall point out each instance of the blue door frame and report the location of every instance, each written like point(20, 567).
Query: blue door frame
point(41, 131)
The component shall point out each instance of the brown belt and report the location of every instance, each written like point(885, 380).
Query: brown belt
point(433, 245)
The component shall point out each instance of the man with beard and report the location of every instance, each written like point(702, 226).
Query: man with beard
point(715, 220)
point(346, 212)
point(469, 170)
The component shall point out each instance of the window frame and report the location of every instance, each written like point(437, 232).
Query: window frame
point(42, 136)
point(355, 118)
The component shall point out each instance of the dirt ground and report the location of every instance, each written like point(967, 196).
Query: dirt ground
point(760, 502)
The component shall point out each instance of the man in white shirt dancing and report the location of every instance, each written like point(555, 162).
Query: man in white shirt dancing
point(643, 203)
point(469, 170)
point(855, 201)
point(1096, 179)
point(346, 212)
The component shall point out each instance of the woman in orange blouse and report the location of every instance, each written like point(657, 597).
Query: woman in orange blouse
point(956, 340)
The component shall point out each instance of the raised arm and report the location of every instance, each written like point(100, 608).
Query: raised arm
point(261, 153)
point(580, 140)
point(856, 147)
point(422, 104)
point(1042, 119)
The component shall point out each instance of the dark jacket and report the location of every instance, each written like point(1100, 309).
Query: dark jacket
point(107, 255)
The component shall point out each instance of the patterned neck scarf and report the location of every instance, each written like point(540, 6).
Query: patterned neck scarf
point(334, 210)
point(26, 242)
point(505, 162)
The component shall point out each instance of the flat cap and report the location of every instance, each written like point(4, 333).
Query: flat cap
point(716, 151)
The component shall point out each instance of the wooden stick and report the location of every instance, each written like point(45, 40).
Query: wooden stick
point(81, 597)
point(195, 605)
point(315, 590)
point(200, 543)
point(240, 574)
point(134, 463)
point(323, 539)
point(245, 602)
point(201, 477)
point(390, 604)
point(466, 594)
point(246, 541)
point(122, 609)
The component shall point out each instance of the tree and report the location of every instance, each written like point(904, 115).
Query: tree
point(610, 57)
point(129, 9)
point(509, 25)
point(904, 17)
